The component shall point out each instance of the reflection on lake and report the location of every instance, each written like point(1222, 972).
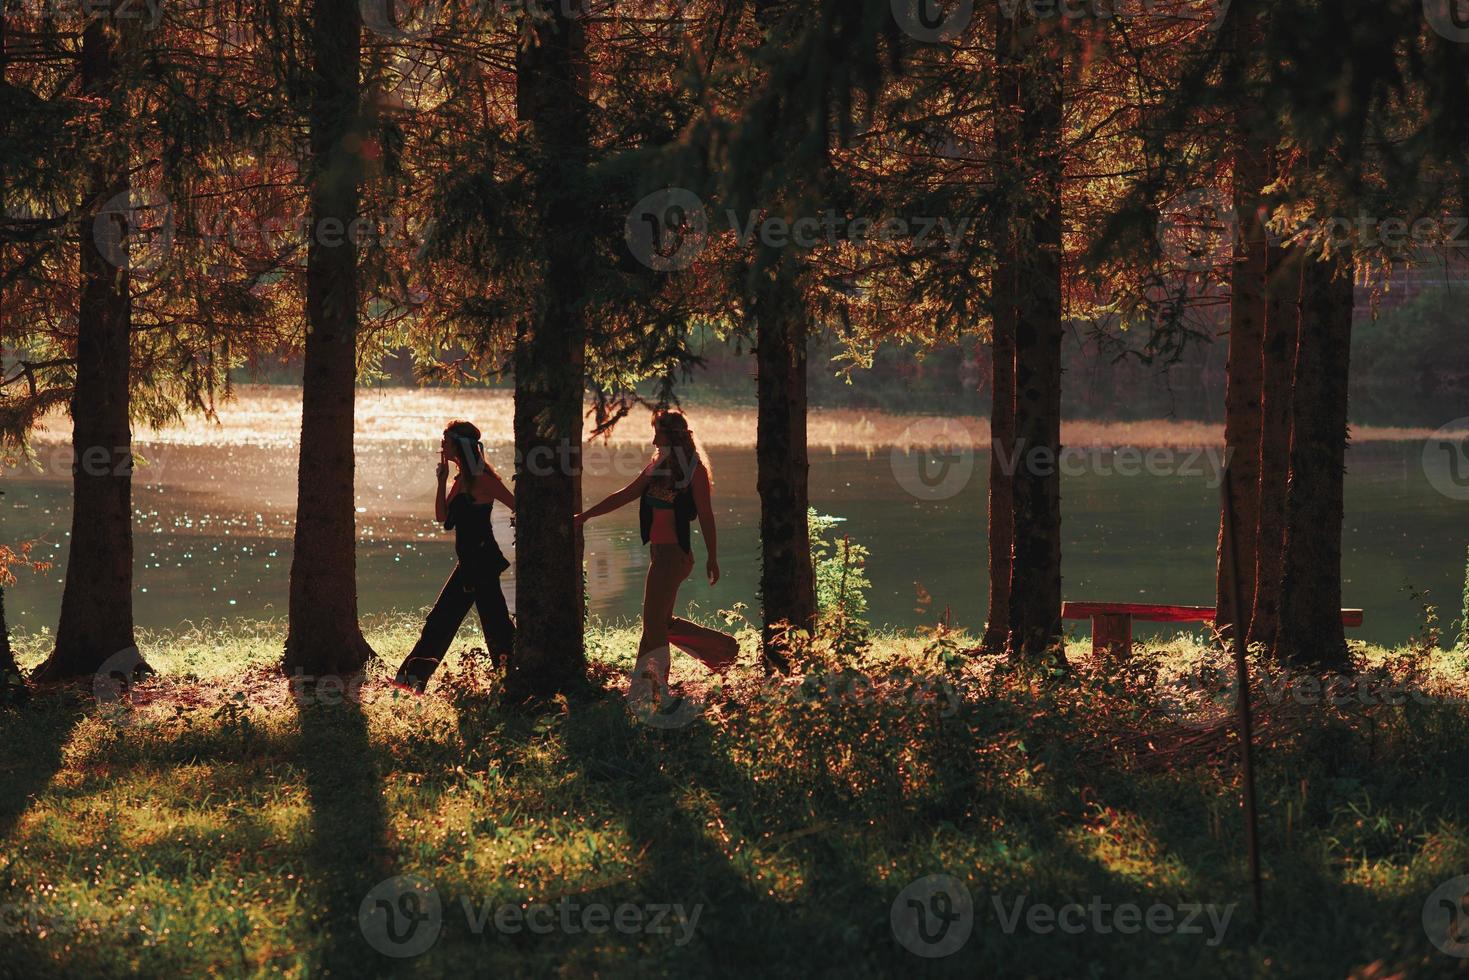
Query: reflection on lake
point(214, 525)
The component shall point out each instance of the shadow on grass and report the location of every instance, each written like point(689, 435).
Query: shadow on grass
point(799, 826)
point(642, 773)
point(35, 736)
point(1359, 815)
point(347, 854)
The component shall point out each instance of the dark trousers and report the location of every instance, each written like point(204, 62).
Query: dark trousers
point(459, 593)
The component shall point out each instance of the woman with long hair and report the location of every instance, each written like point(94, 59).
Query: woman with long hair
point(464, 508)
point(672, 490)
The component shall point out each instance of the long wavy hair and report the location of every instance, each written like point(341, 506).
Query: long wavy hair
point(676, 470)
point(465, 437)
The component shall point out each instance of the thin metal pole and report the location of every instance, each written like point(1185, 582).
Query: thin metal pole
point(1242, 700)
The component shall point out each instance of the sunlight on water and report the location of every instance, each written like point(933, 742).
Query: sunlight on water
point(215, 502)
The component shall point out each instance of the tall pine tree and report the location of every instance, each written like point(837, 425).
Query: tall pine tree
point(324, 638)
point(550, 359)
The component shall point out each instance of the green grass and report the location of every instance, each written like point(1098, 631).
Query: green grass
point(215, 827)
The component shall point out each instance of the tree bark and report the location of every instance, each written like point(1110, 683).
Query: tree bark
point(97, 600)
point(12, 684)
point(1282, 319)
point(1244, 373)
point(1035, 583)
point(777, 307)
point(550, 356)
point(324, 638)
point(1001, 509)
point(1311, 631)
point(787, 581)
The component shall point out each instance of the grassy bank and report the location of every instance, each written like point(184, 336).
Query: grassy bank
point(216, 826)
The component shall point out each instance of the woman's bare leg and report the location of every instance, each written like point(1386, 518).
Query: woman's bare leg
point(660, 592)
point(710, 647)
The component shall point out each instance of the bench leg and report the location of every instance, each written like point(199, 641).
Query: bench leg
point(1112, 636)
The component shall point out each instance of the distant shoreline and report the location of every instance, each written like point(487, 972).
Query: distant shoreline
point(270, 415)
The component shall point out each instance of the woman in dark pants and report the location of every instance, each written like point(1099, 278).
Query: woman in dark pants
point(465, 509)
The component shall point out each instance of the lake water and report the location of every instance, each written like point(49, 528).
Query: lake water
point(214, 524)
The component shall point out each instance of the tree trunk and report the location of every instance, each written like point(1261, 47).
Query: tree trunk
point(1282, 319)
point(12, 684)
point(1035, 582)
point(324, 638)
point(550, 355)
point(97, 601)
point(777, 306)
point(787, 580)
point(1243, 392)
point(1001, 527)
point(1310, 631)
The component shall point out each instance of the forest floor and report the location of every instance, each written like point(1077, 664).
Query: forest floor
point(1089, 824)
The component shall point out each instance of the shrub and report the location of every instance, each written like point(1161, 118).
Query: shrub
point(1464, 619)
point(840, 566)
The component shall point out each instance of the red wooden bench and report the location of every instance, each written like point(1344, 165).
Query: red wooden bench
point(1112, 621)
